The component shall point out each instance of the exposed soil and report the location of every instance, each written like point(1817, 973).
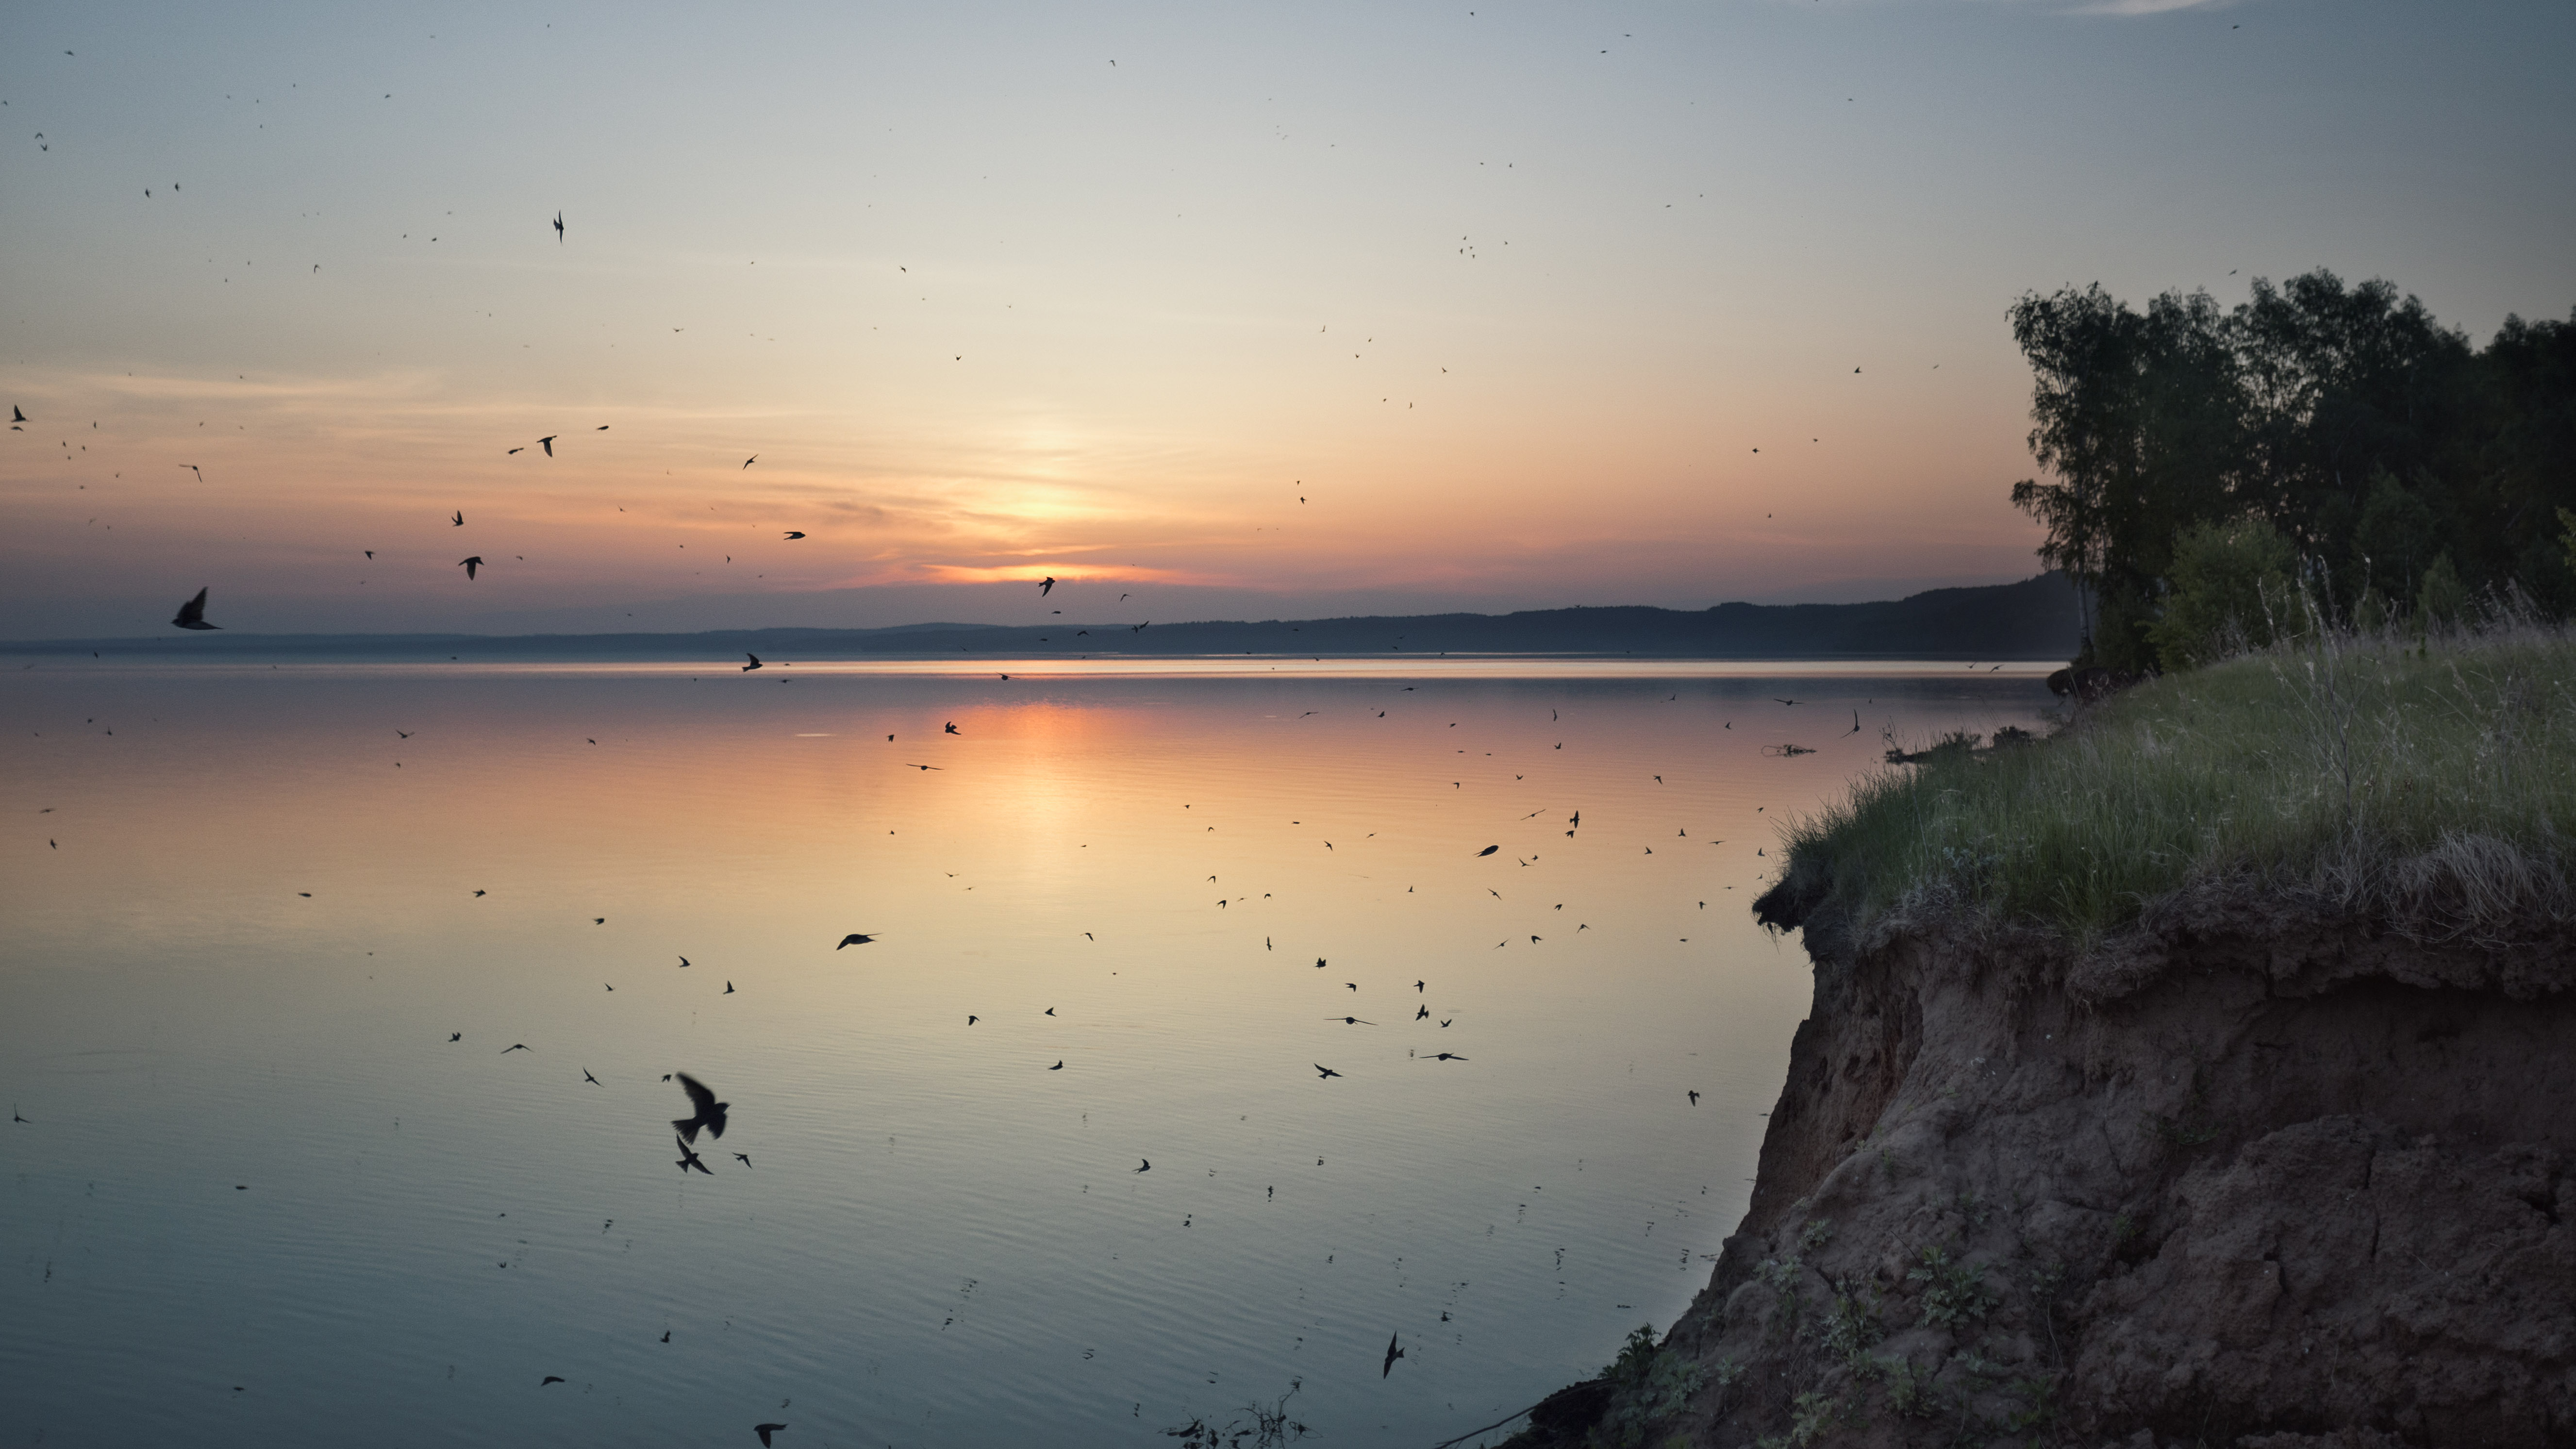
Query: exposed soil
point(2251, 1175)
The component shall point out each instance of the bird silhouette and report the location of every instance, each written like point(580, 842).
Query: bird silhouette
point(1488, 850)
point(1327, 1073)
point(470, 565)
point(765, 1430)
point(192, 614)
point(1421, 1013)
point(518, 1047)
point(548, 441)
point(1694, 1099)
point(1448, 1057)
point(728, 991)
point(710, 1112)
point(550, 1379)
point(456, 1036)
point(743, 1157)
point(854, 939)
point(558, 228)
point(754, 664)
point(457, 520)
point(1350, 1021)
point(1046, 586)
point(747, 462)
point(1394, 1351)
point(587, 1077)
point(689, 1159)
point(948, 727)
point(1059, 1065)
point(792, 533)
point(1149, 1164)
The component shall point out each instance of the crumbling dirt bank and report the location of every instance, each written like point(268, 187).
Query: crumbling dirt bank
point(2249, 1175)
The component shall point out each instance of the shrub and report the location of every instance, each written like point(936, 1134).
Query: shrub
point(2231, 591)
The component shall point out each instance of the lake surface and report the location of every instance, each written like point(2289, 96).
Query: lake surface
point(260, 1196)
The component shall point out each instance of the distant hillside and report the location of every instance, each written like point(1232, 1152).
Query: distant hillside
point(2033, 619)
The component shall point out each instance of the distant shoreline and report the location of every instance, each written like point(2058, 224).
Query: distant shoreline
point(2035, 619)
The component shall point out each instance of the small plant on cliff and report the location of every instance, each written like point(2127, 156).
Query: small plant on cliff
point(1818, 1233)
point(1909, 1389)
point(1812, 1416)
point(1852, 1324)
point(1649, 1386)
point(1953, 1293)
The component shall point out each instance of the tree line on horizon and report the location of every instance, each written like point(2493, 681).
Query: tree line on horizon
point(2338, 442)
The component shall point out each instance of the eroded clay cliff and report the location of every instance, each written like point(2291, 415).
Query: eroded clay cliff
point(2254, 1173)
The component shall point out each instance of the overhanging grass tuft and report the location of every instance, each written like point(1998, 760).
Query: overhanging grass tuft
point(2430, 782)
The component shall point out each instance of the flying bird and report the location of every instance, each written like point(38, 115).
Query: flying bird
point(1327, 1072)
point(1488, 850)
point(710, 1112)
point(193, 468)
point(587, 1077)
point(793, 534)
point(1149, 1164)
point(192, 614)
point(1394, 1351)
point(549, 441)
point(1046, 586)
point(470, 565)
point(754, 664)
point(457, 519)
point(550, 1379)
point(950, 727)
point(519, 1047)
point(1350, 1021)
point(1059, 1066)
point(1694, 1099)
point(854, 939)
point(747, 462)
point(689, 1159)
point(558, 228)
point(456, 1036)
point(765, 1430)
point(743, 1157)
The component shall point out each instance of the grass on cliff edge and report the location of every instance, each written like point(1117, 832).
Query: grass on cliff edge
point(2427, 782)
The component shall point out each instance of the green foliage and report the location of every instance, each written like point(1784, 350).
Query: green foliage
point(1817, 1233)
point(2372, 437)
point(2231, 592)
point(2443, 601)
point(1909, 1389)
point(1953, 1293)
point(1812, 1416)
point(2433, 782)
point(1649, 1386)
point(1852, 1324)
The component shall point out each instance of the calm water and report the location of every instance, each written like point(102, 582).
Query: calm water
point(261, 1197)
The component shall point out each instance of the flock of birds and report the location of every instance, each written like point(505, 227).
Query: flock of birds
point(710, 1115)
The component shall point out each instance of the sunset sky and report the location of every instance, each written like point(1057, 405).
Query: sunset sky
point(1237, 310)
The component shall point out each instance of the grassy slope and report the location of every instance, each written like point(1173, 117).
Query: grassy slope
point(2429, 783)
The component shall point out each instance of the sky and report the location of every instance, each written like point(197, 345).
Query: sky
point(1205, 311)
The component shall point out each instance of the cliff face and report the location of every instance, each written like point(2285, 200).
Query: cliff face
point(2252, 1174)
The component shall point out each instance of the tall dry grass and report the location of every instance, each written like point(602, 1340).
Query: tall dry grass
point(2426, 780)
